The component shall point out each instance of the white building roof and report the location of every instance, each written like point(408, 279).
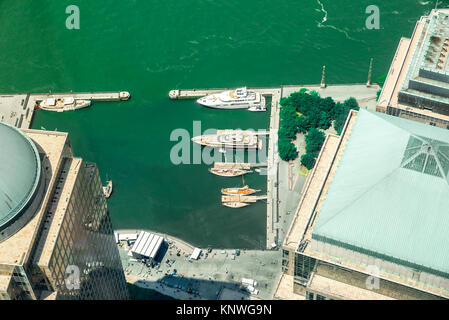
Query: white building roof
point(195, 254)
point(147, 244)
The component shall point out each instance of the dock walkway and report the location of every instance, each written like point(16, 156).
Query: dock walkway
point(18, 109)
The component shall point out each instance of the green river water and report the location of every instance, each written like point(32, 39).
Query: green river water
point(148, 47)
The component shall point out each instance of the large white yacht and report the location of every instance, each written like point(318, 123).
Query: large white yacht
point(232, 139)
point(240, 98)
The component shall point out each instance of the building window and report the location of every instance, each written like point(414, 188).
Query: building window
point(304, 265)
point(310, 295)
point(320, 297)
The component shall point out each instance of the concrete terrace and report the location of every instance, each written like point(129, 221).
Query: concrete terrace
point(216, 276)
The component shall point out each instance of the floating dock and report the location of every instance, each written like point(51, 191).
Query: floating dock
point(199, 93)
point(18, 109)
point(238, 165)
point(93, 96)
point(240, 198)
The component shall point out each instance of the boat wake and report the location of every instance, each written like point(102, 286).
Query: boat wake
point(322, 25)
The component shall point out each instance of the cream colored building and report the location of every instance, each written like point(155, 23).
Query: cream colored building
point(372, 220)
point(56, 237)
point(417, 84)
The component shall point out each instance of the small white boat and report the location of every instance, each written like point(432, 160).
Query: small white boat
point(108, 189)
point(228, 172)
point(63, 104)
point(235, 204)
point(257, 108)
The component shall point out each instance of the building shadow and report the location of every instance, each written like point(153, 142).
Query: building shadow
point(186, 288)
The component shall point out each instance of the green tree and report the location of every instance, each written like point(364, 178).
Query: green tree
point(287, 132)
point(351, 103)
point(288, 112)
point(314, 140)
point(308, 160)
point(287, 150)
point(342, 114)
point(303, 124)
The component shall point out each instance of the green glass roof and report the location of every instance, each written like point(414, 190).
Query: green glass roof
point(389, 196)
point(19, 172)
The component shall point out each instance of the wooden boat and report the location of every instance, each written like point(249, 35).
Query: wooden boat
point(228, 172)
point(235, 204)
point(239, 191)
point(108, 189)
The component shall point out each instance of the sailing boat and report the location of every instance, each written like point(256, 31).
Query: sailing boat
point(239, 191)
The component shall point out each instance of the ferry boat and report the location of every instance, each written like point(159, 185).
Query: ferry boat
point(64, 104)
point(108, 189)
point(224, 172)
point(235, 204)
point(240, 98)
point(234, 139)
point(239, 191)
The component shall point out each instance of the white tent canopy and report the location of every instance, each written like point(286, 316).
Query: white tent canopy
point(195, 254)
point(147, 245)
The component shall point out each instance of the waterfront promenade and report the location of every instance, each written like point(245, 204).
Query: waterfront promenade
point(216, 275)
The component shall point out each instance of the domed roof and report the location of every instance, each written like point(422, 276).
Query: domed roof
point(20, 171)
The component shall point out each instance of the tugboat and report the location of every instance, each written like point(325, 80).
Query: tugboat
point(108, 189)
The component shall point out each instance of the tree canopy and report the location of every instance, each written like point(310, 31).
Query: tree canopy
point(287, 150)
point(314, 140)
point(306, 112)
point(308, 160)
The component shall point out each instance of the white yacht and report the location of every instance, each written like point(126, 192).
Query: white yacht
point(240, 98)
point(64, 104)
point(234, 139)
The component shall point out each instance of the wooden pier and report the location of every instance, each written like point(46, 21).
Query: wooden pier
point(238, 165)
point(18, 109)
point(199, 93)
point(93, 96)
point(240, 198)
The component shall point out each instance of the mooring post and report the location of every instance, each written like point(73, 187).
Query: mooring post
point(323, 82)
point(368, 83)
